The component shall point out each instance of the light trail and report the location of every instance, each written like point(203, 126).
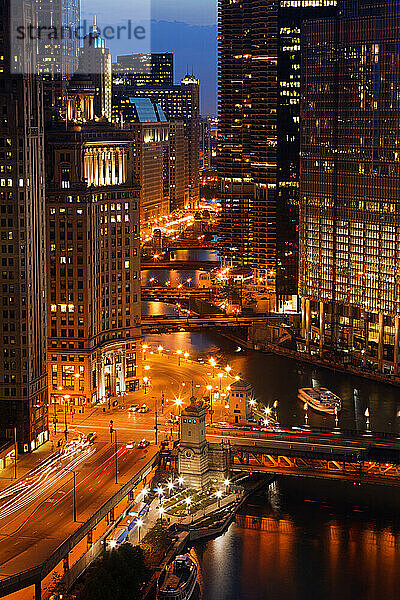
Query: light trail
point(50, 472)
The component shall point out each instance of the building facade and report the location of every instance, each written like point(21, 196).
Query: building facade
point(180, 102)
point(92, 209)
point(95, 61)
point(23, 363)
point(350, 167)
point(259, 116)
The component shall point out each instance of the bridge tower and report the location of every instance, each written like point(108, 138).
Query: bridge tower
point(193, 447)
point(200, 463)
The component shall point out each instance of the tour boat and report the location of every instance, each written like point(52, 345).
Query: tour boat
point(178, 580)
point(321, 399)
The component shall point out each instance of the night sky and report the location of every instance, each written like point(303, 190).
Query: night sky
point(185, 27)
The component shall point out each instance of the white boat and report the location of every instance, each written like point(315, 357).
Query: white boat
point(178, 580)
point(321, 399)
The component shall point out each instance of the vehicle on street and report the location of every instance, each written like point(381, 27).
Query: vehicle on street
point(143, 409)
point(143, 443)
point(130, 445)
point(91, 437)
point(133, 408)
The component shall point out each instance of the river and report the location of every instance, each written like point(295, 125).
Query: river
point(307, 539)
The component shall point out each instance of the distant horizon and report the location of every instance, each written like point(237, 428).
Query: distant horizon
point(184, 27)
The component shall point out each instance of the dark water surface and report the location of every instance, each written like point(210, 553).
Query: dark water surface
point(308, 540)
point(278, 378)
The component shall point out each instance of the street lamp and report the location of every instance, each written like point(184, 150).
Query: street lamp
point(144, 348)
point(212, 363)
point(139, 524)
point(66, 398)
point(228, 369)
point(220, 375)
point(306, 412)
point(227, 484)
point(160, 349)
point(180, 481)
point(161, 511)
point(179, 352)
point(186, 355)
point(170, 486)
point(145, 381)
point(160, 493)
point(188, 503)
point(219, 496)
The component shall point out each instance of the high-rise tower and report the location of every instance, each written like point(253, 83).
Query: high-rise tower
point(259, 113)
point(349, 194)
point(23, 372)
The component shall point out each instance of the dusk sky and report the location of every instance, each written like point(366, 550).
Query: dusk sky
point(185, 27)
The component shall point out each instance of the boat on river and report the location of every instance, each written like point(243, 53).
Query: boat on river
point(321, 399)
point(178, 580)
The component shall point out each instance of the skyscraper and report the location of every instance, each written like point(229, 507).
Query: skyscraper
point(23, 370)
point(92, 206)
point(95, 61)
point(258, 162)
point(180, 102)
point(57, 54)
point(349, 194)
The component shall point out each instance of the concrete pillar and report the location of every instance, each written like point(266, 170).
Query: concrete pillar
point(96, 166)
point(123, 165)
point(101, 166)
point(321, 327)
point(303, 317)
point(113, 173)
point(380, 339)
point(308, 324)
point(38, 590)
point(107, 167)
point(396, 344)
point(119, 151)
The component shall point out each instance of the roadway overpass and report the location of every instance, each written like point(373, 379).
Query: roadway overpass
point(168, 323)
point(347, 455)
point(166, 293)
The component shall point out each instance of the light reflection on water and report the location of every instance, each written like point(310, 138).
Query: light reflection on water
point(278, 378)
point(309, 540)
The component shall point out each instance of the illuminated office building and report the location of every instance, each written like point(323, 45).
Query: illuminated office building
point(258, 158)
point(144, 70)
point(350, 190)
point(57, 55)
point(23, 368)
point(95, 61)
point(180, 102)
point(92, 211)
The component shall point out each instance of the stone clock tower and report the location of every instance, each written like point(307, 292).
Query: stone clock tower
point(193, 463)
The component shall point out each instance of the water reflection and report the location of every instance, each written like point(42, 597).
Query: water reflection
point(278, 378)
point(308, 540)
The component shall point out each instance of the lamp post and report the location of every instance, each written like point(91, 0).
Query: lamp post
point(116, 456)
point(160, 349)
point(219, 496)
point(179, 352)
point(212, 363)
point(170, 486)
point(188, 503)
point(145, 381)
point(220, 376)
point(74, 496)
point(186, 355)
point(306, 412)
point(65, 417)
point(178, 403)
point(144, 348)
point(139, 524)
point(161, 512)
